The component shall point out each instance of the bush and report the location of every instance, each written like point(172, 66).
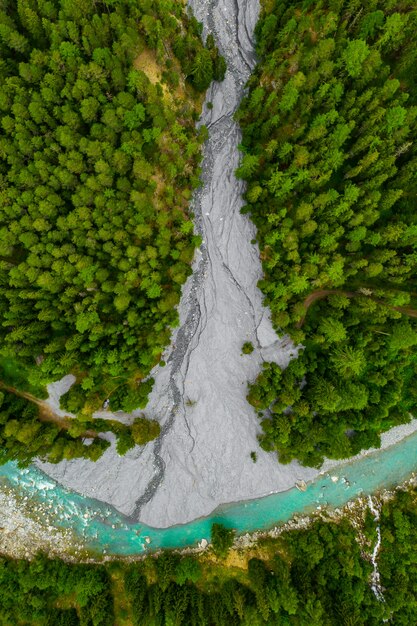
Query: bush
point(145, 430)
point(222, 540)
point(247, 347)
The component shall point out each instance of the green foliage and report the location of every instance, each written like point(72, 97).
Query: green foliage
point(329, 154)
point(202, 70)
point(145, 430)
point(125, 442)
point(396, 564)
point(31, 591)
point(73, 400)
point(200, 65)
point(247, 347)
point(24, 435)
point(131, 396)
point(23, 378)
point(96, 167)
point(29, 429)
point(188, 570)
point(222, 539)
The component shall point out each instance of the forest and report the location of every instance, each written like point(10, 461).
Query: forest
point(319, 576)
point(329, 155)
point(99, 155)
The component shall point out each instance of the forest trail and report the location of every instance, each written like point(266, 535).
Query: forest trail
point(46, 414)
point(321, 294)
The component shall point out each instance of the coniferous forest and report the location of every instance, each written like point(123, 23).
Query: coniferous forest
point(99, 155)
point(329, 154)
point(320, 576)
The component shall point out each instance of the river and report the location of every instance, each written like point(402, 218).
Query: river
point(105, 531)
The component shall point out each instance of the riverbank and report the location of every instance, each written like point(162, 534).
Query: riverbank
point(389, 438)
point(26, 528)
point(354, 510)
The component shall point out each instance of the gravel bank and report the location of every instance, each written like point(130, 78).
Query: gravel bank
point(27, 528)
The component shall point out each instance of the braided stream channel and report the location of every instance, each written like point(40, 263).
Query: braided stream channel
point(202, 458)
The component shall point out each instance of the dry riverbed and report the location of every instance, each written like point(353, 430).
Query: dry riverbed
point(203, 457)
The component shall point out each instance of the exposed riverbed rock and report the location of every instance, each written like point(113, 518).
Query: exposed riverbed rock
point(24, 533)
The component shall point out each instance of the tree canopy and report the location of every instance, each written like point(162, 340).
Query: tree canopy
point(98, 158)
point(329, 154)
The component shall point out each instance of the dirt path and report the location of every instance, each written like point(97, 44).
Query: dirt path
point(46, 414)
point(320, 294)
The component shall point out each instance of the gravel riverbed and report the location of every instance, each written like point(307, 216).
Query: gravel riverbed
point(26, 528)
point(202, 458)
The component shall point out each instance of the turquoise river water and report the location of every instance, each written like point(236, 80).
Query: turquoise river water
point(103, 529)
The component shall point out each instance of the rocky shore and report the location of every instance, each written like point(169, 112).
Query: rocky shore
point(355, 510)
point(27, 528)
